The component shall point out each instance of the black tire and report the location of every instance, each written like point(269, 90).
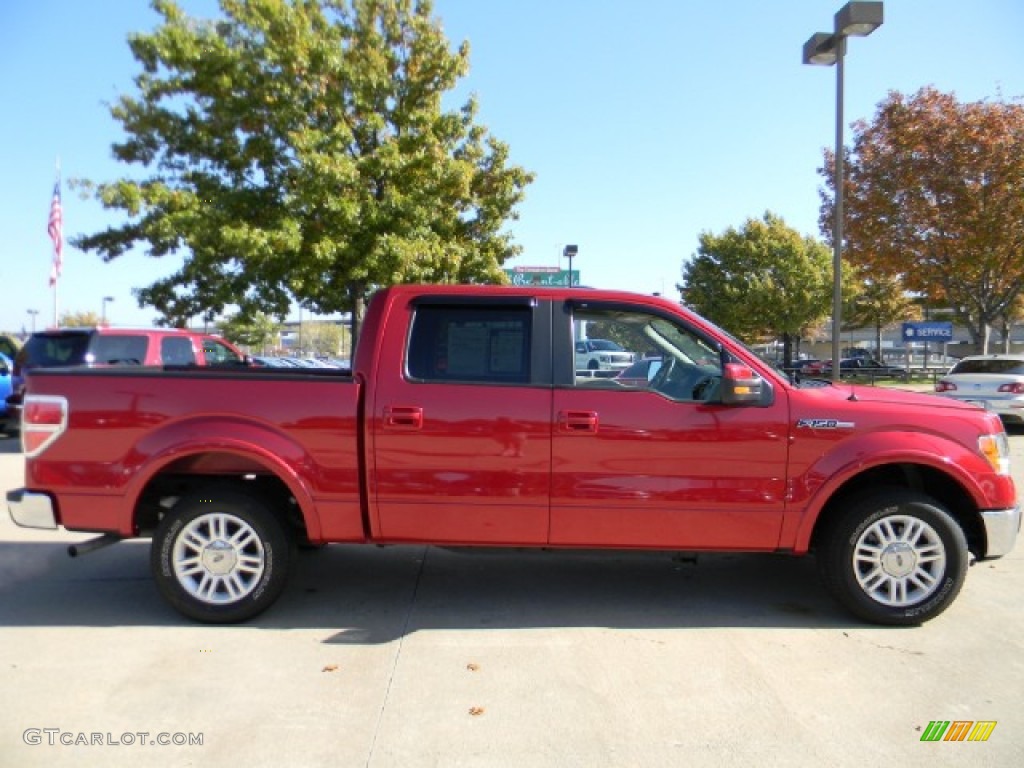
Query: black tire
point(593, 365)
point(237, 573)
point(912, 562)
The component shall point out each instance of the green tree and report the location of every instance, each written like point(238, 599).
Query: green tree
point(257, 332)
point(321, 339)
point(881, 301)
point(934, 194)
point(763, 281)
point(299, 150)
point(79, 319)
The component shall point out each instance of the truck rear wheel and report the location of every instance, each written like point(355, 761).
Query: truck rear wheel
point(220, 557)
point(892, 556)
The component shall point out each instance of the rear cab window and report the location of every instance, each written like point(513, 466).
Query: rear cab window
point(53, 350)
point(470, 343)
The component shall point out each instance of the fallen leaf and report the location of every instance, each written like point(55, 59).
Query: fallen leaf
point(476, 711)
point(330, 668)
point(473, 667)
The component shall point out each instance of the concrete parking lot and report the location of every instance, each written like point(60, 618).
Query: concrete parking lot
point(413, 656)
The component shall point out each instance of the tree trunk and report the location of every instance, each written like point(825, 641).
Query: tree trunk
point(357, 301)
point(787, 351)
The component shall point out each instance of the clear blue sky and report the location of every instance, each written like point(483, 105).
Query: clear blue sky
point(646, 123)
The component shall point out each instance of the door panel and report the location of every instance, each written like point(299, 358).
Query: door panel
point(660, 462)
point(475, 469)
point(666, 474)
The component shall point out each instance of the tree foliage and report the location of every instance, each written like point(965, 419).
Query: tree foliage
point(299, 150)
point(257, 332)
point(763, 281)
point(321, 339)
point(86, 319)
point(934, 196)
point(880, 301)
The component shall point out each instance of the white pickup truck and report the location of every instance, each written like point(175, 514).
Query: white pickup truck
point(601, 355)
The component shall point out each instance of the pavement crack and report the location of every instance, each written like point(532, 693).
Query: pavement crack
point(398, 654)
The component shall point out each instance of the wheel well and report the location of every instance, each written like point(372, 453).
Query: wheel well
point(927, 480)
point(168, 487)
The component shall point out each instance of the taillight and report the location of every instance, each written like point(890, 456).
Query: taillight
point(43, 419)
point(1017, 388)
point(945, 386)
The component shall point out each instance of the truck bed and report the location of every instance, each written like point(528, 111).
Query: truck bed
point(168, 420)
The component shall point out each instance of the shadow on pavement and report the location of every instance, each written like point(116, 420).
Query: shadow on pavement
point(10, 443)
point(366, 595)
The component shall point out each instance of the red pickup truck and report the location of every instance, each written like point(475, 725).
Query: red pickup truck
point(464, 423)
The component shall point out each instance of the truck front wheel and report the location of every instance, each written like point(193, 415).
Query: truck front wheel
point(220, 557)
point(892, 556)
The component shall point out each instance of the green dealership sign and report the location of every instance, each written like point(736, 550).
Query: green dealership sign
point(542, 276)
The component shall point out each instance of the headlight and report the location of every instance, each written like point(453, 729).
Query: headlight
point(996, 448)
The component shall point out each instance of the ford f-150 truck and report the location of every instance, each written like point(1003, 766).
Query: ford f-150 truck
point(463, 423)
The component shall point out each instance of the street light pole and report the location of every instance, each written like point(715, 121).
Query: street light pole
point(855, 19)
point(32, 313)
point(569, 251)
point(103, 315)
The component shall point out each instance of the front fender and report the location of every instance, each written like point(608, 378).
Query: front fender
point(823, 478)
point(271, 449)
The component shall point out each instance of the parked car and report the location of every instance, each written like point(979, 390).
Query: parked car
point(852, 367)
point(6, 366)
point(992, 382)
point(868, 366)
point(101, 346)
point(640, 373)
point(601, 355)
point(803, 365)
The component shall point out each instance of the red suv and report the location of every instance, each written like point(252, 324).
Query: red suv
point(63, 347)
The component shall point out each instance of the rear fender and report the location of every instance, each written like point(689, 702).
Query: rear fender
point(270, 449)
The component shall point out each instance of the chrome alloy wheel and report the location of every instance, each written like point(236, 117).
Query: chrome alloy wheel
point(899, 560)
point(218, 558)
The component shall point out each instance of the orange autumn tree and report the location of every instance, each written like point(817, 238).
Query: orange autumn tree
point(934, 197)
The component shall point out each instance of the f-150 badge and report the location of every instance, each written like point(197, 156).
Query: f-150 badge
point(824, 424)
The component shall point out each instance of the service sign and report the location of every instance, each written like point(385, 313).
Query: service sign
point(929, 331)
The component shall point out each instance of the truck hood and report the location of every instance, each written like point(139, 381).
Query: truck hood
point(891, 396)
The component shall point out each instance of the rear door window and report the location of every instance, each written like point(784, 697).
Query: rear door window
point(177, 350)
point(117, 350)
point(479, 344)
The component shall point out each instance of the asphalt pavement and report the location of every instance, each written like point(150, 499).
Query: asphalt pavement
point(416, 656)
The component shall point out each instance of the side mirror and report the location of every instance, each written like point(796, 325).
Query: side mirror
point(740, 385)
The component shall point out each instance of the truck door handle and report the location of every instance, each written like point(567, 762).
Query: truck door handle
point(578, 421)
point(407, 417)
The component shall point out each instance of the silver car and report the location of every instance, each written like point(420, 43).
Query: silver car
point(992, 382)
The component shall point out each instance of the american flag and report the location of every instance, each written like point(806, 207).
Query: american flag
point(54, 228)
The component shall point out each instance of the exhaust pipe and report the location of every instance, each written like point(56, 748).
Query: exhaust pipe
point(85, 547)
